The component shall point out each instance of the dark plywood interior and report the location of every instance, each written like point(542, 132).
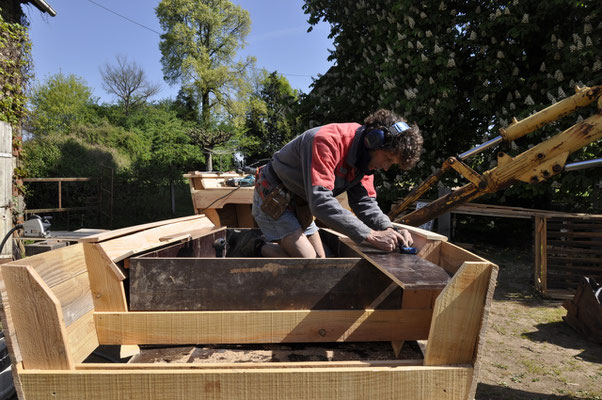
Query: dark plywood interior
point(189, 277)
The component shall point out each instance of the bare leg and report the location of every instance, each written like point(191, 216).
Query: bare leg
point(298, 245)
point(316, 242)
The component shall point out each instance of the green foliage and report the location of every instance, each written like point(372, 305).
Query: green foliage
point(15, 66)
point(58, 104)
point(198, 48)
point(461, 70)
point(271, 119)
point(66, 156)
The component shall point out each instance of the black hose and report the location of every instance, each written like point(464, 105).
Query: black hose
point(8, 235)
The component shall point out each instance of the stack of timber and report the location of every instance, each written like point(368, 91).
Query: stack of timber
point(567, 248)
point(60, 306)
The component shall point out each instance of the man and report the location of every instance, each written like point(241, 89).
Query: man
point(322, 163)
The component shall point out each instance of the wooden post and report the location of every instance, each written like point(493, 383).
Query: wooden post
point(106, 280)
point(460, 315)
point(540, 274)
point(6, 191)
point(37, 318)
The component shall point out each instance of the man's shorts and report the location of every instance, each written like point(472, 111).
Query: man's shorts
point(277, 229)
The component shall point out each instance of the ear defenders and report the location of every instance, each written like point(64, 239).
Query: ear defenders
point(378, 138)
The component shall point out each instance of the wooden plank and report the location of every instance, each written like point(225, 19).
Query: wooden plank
point(137, 228)
point(107, 288)
point(197, 248)
point(576, 243)
point(194, 234)
point(6, 185)
point(139, 242)
point(540, 247)
point(383, 383)
point(203, 284)
point(247, 365)
point(244, 216)
point(451, 257)
point(569, 250)
point(210, 213)
point(419, 298)
point(74, 297)
point(595, 236)
point(61, 270)
point(460, 315)
point(81, 337)
point(428, 235)
point(218, 197)
point(407, 270)
point(57, 266)
point(37, 319)
point(237, 327)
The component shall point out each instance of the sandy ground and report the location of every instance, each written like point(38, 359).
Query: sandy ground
point(530, 352)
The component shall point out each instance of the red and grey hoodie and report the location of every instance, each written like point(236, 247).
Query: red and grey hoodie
point(320, 164)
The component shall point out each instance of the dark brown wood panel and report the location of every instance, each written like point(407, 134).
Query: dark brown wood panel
point(204, 284)
point(408, 270)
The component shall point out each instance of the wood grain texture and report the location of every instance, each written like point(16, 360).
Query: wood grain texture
point(383, 383)
point(194, 365)
point(238, 327)
point(139, 242)
point(459, 315)
point(137, 228)
point(451, 257)
point(62, 270)
point(37, 318)
point(407, 270)
point(204, 284)
point(81, 337)
point(107, 288)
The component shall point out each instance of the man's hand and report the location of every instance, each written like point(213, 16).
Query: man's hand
point(389, 239)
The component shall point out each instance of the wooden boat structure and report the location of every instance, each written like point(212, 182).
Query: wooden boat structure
point(161, 287)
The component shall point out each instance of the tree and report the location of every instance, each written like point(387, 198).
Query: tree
point(461, 70)
point(198, 48)
point(271, 119)
point(208, 139)
point(128, 82)
point(58, 104)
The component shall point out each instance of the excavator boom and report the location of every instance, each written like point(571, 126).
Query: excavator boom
point(537, 164)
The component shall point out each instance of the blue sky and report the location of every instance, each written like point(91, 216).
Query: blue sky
point(84, 36)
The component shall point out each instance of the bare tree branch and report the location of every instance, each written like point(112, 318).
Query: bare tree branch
point(128, 82)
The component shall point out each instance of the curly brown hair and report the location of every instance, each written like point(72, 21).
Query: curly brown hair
point(408, 145)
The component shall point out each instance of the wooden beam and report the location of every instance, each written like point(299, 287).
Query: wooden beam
point(407, 270)
point(228, 284)
point(122, 247)
point(383, 383)
point(81, 337)
point(238, 327)
point(137, 228)
point(131, 366)
point(460, 315)
point(451, 257)
point(37, 318)
point(106, 280)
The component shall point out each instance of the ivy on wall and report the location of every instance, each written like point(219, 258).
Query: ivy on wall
point(15, 67)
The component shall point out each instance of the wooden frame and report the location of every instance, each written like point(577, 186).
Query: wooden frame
point(59, 306)
point(567, 247)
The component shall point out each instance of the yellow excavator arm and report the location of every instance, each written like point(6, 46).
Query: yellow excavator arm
point(537, 164)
